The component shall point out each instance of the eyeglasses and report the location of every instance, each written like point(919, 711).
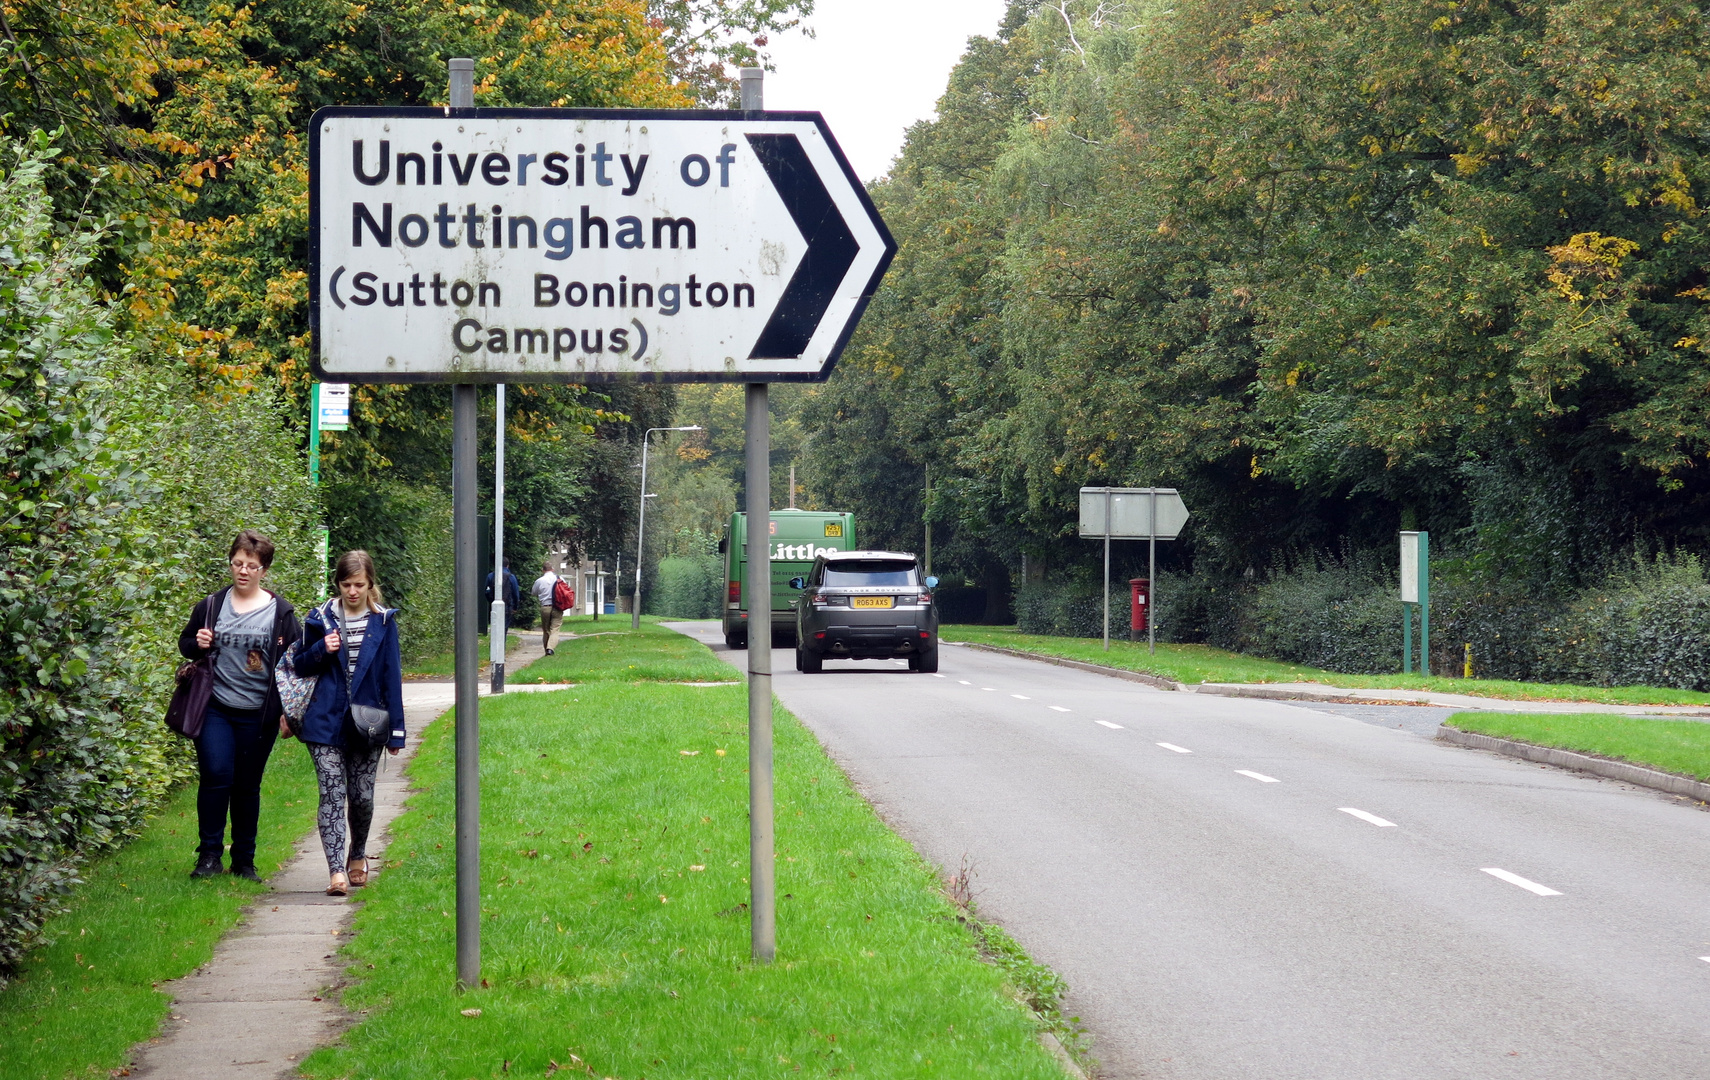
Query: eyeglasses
point(246, 568)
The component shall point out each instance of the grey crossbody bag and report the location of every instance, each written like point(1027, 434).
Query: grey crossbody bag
point(373, 724)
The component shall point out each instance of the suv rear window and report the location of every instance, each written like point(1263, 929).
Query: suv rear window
point(856, 573)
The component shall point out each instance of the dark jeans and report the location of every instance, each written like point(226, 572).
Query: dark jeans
point(232, 754)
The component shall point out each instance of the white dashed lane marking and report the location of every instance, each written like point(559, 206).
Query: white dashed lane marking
point(964, 682)
point(1363, 816)
point(1177, 749)
point(1516, 879)
point(1056, 708)
point(988, 688)
point(935, 675)
point(1259, 776)
point(1108, 724)
point(1021, 697)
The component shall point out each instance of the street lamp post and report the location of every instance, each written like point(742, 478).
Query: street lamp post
point(641, 521)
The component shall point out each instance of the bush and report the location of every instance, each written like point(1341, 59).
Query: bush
point(1062, 609)
point(125, 483)
point(965, 604)
point(688, 587)
point(1340, 617)
point(408, 531)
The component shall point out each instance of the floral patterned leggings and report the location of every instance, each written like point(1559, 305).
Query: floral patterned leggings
point(347, 782)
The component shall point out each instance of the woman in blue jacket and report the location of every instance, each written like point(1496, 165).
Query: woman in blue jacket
point(351, 640)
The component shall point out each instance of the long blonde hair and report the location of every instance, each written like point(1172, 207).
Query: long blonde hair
point(352, 563)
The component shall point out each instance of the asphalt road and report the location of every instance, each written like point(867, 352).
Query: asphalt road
point(1214, 878)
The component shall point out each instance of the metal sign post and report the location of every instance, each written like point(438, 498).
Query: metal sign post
point(1150, 514)
point(1107, 570)
point(466, 246)
point(762, 869)
point(497, 617)
point(1416, 593)
point(466, 587)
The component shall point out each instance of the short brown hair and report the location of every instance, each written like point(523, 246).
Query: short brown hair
point(253, 543)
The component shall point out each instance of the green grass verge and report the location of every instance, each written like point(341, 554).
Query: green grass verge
point(1203, 663)
point(615, 933)
point(1676, 746)
point(610, 651)
point(444, 665)
point(78, 1006)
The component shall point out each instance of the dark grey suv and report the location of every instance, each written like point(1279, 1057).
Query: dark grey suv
point(863, 605)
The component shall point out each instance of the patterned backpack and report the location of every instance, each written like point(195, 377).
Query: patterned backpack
point(295, 691)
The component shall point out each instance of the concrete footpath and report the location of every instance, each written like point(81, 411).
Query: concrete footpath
point(269, 996)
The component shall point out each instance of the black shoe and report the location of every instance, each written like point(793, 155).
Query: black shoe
point(246, 872)
point(549, 652)
point(207, 866)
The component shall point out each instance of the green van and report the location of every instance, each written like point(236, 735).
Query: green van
point(798, 538)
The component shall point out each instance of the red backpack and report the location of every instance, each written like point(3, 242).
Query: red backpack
point(563, 596)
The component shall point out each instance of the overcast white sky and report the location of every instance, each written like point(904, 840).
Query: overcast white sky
point(875, 67)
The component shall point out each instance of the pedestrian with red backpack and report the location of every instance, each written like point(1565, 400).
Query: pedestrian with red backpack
point(555, 597)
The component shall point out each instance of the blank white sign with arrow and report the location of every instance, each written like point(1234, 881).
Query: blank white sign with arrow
point(576, 245)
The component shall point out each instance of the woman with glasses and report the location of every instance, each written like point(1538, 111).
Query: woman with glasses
point(246, 628)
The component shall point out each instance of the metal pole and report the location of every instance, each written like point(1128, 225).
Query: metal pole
point(792, 486)
point(1406, 638)
point(763, 928)
point(467, 591)
point(1106, 569)
point(1152, 577)
point(1424, 602)
point(315, 434)
point(496, 619)
point(926, 513)
point(640, 524)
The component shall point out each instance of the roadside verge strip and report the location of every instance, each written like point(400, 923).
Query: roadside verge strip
point(1096, 669)
point(1640, 775)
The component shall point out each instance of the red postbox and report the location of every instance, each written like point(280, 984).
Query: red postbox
point(1139, 600)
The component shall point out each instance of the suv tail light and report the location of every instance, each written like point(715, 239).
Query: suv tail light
point(926, 598)
point(736, 592)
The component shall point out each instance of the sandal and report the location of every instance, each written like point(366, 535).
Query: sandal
point(339, 886)
point(358, 874)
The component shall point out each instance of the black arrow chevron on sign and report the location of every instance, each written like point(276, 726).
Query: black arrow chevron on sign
point(831, 248)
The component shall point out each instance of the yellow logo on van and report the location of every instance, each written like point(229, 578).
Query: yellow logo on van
point(833, 528)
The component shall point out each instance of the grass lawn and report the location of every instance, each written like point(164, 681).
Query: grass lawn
point(615, 933)
point(1676, 746)
point(444, 665)
point(1203, 663)
point(78, 1005)
point(610, 650)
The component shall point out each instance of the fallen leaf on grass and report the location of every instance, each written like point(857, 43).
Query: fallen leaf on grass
point(697, 868)
point(471, 1012)
point(688, 753)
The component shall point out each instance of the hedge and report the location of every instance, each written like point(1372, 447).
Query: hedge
point(123, 486)
point(1648, 624)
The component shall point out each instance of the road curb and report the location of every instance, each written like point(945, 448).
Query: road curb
point(1339, 697)
point(1097, 669)
point(1656, 779)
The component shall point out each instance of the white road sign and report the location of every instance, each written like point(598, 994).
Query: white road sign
point(333, 402)
point(1131, 513)
point(517, 245)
